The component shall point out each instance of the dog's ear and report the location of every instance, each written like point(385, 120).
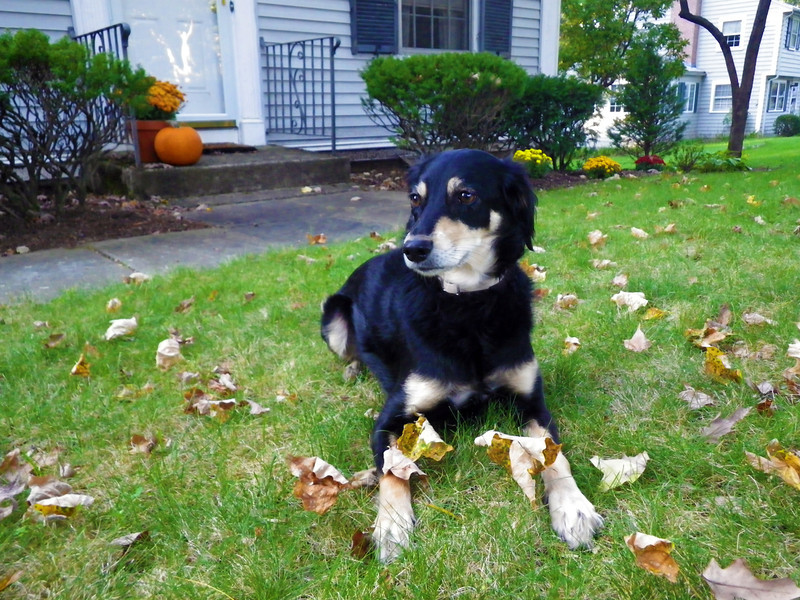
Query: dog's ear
point(415, 170)
point(521, 200)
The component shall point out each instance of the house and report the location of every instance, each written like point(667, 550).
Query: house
point(240, 64)
point(705, 85)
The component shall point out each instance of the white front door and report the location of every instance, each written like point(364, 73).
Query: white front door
point(189, 43)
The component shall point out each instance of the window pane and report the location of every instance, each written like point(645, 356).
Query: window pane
point(723, 99)
point(439, 24)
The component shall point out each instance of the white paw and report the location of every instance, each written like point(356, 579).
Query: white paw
point(392, 531)
point(573, 517)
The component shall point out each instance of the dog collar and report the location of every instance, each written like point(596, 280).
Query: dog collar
point(485, 284)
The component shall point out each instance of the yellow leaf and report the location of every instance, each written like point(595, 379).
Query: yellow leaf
point(9, 578)
point(783, 463)
point(81, 368)
point(420, 439)
point(654, 554)
point(718, 368)
point(654, 313)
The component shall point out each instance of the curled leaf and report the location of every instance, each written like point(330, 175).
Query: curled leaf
point(168, 353)
point(718, 367)
point(783, 463)
point(695, 398)
point(633, 300)
point(318, 484)
point(617, 471)
point(420, 439)
point(736, 581)
point(654, 554)
point(399, 465)
point(121, 328)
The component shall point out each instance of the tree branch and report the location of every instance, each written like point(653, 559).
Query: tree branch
point(685, 13)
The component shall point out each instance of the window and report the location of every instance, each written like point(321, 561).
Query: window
point(613, 105)
point(732, 30)
point(793, 33)
point(791, 98)
point(688, 91)
point(723, 98)
point(777, 96)
point(435, 24)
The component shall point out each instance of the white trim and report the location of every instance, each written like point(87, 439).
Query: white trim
point(249, 115)
point(549, 32)
point(714, 86)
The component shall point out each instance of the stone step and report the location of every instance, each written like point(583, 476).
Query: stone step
point(269, 167)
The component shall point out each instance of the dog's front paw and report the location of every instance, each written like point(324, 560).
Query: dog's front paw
point(574, 518)
point(395, 519)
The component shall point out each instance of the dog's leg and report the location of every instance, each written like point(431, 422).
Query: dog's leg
point(574, 518)
point(395, 519)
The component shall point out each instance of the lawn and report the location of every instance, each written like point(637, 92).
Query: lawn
point(214, 493)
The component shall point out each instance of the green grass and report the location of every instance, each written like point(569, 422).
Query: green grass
point(217, 499)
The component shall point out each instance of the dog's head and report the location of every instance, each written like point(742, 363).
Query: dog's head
point(471, 217)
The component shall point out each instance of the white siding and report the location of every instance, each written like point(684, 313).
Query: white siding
point(53, 17)
point(292, 20)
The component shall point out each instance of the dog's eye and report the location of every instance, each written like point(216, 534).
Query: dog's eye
point(415, 198)
point(466, 197)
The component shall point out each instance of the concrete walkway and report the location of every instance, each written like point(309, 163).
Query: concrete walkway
point(242, 224)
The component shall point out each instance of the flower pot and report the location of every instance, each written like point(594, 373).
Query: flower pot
point(179, 146)
point(146, 132)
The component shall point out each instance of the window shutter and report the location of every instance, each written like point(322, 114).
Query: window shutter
point(373, 26)
point(495, 26)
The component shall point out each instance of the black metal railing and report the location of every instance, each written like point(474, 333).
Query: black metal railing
point(112, 40)
point(300, 87)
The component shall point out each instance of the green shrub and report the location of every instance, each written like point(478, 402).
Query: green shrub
point(552, 115)
point(436, 101)
point(787, 125)
point(59, 113)
point(720, 162)
point(686, 155)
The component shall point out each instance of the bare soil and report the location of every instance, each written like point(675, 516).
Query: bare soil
point(114, 217)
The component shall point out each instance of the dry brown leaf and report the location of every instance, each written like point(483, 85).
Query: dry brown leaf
point(571, 345)
point(81, 368)
point(695, 398)
point(8, 493)
point(185, 305)
point(168, 353)
point(617, 471)
point(638, 342)
point(399, 465)
point(620, 280)
point(136, 278)
point(113, 305)
point(318, 484)
point(633, 300)
point(317, 240)
point(640, 234)
point(121, 328)
point(9, 578)
point(721, 426)
point(14, 467)
point(756, 319)
point(255, 407)
point(793, 352)
point(141, 444)
point(566, 301)
point(420, 439)
point(602, 264)
point(736, 581)
point(54, 340)
point(654, 554)
point(597, 238)
point(783, 463)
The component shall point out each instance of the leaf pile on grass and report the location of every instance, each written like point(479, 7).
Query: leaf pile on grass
point(703, 420)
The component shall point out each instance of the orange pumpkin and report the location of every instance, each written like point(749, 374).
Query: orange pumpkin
point(179, 146)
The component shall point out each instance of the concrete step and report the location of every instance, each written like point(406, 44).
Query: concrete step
point(269, 167)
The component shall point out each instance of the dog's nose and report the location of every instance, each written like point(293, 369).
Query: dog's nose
point(417, 250)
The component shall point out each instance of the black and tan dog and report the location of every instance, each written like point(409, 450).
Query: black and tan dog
point(444, 323)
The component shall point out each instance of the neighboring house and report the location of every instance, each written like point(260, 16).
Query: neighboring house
point(706, 86)
point(215, 50)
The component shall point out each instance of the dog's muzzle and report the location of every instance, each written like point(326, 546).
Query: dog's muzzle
point(417, 249)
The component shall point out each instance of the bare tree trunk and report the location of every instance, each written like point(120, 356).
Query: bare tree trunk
point(740, 91)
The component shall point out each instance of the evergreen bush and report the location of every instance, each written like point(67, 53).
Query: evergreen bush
point(787, 125)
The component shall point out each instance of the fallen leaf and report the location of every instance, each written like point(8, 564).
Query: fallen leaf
point(399, 465)
point(602, 263)
point(255, 407)
point(638, 342)
point(523, 457)
point(317, 240)
point(14, 467)
point(783, 463)
point(126, 541)
point(362, 544)
point(654, 554)
point(121, 328)
point(756, 319)
point(420, 439)
point(318, 484)
point(736, 581)
point(653, 313)
point(113, 305)
point(721, 426)
point(695, 398)
point(717, 366)
point(633, 300)
point(571, 345)
point(620, 280)
point(62, 506)
point(597, 238)
point(640, 234)
point(760, 220)
point(185, 305)
point(9, 578)
point(81, 368)
point(617, 471)
point(793, 352)
point(537, 273)
point(8, 493)
point(168, 354)
point(54, 340)
point(137, 278)
point(566, 301)
point(141, 444)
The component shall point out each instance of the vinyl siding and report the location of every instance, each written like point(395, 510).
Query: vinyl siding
point(53, 17)
point(293, 20)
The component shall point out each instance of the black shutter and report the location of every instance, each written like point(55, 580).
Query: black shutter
point(373, 26)
point(495, 26)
